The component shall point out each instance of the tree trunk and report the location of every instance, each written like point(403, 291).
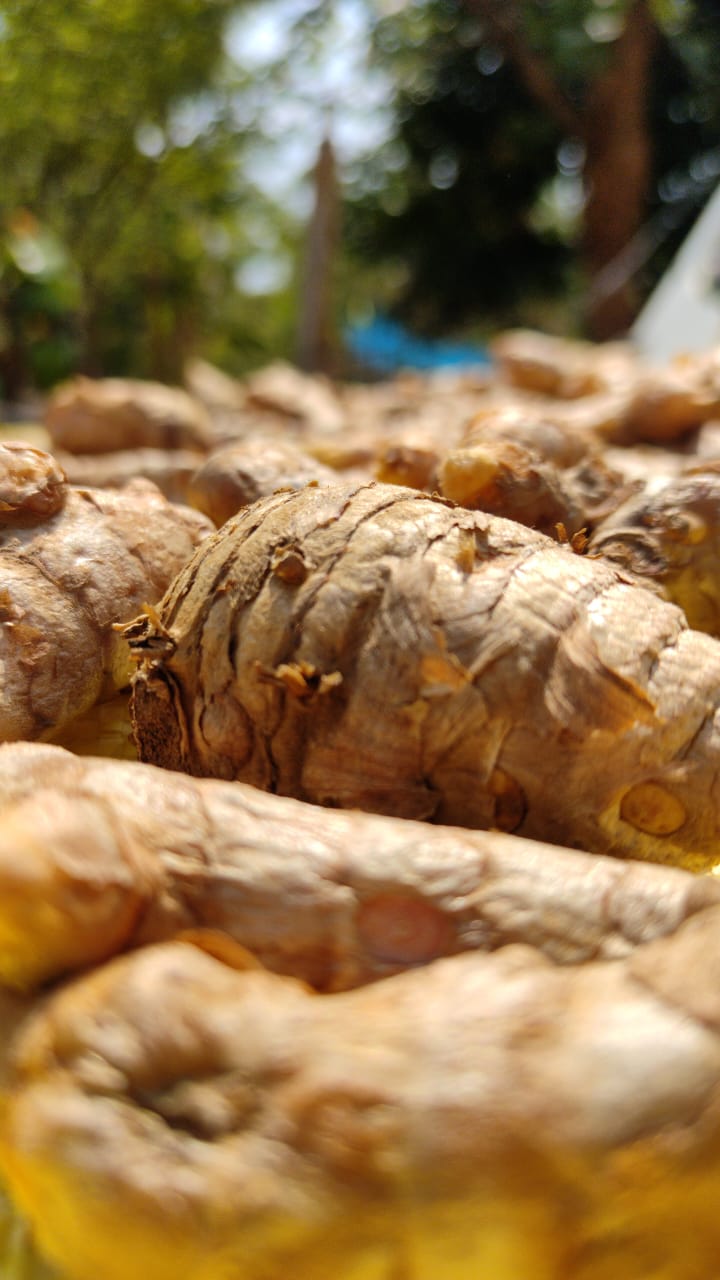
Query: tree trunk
point(316, 336)
point(617, 174)
point(614, 128)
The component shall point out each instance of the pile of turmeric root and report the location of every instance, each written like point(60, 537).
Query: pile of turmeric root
point(387, 947)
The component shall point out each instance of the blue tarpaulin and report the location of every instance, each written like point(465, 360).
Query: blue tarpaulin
point(385, 346)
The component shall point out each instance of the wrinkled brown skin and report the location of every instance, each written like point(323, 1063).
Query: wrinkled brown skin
point(95, 559)
point(100, 855)
point(530, 465)
point(376, 648)
point(239, 474)
point(486, 1118)
point(102, 415)
point(672, 537)
point(509, 480)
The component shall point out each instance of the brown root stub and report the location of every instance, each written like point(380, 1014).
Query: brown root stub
point(164, 724)
point(510, 801)
point(290, 564)
point(523, 687)
point(652, 808)
point(301, 679)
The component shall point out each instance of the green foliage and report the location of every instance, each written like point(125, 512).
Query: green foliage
point(479, 194)
point(124, 213)
point(118, 142)
point(82, 75)
point(575, 36)
point(475, 151)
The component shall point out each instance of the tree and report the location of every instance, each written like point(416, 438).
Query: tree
point(561, 90)
point(316, 329)
point(100, 101)
point(449, 200)
point(605, 110)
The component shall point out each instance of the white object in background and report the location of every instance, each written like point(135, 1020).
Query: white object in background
point(683, 312)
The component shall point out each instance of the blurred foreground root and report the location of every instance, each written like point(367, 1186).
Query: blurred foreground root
point(486, 1118)
point(97, 856)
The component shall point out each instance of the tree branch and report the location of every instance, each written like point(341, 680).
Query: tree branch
point(504, 23)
